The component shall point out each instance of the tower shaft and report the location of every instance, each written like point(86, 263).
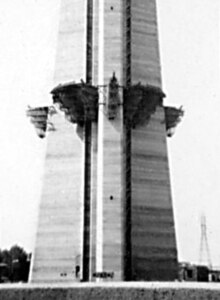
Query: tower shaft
point(109, 243)
point(106, 203)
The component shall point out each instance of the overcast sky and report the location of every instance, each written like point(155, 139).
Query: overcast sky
point(189, 43)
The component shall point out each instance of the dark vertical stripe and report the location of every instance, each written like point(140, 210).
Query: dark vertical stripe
point(127, 172)
point(87, 201)
point(127, 151)
point(87, 152)
point(128, 42)
point(89, 41)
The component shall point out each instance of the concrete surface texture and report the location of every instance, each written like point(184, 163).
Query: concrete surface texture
point(57, 252)
point(126, 236)
point(58, 237)
point(112, 291)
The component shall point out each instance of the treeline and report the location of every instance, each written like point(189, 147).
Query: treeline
point(14, 265)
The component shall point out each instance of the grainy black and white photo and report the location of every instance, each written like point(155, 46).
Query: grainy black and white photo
point(110, 149)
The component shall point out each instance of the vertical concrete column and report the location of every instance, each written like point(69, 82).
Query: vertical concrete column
point(153, 242)
point(87, 201)
point(109, 248)
point(58, 246)
point(88, 147)
point(92, 267)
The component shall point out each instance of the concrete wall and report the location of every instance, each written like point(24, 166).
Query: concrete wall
point(95, 42)
point(71, 42)
point(153, 245)
point(109, 243)
point(58, 246)
point(131, 291)
point(58, 241)
point(145, 59)
point(93, 203)
point(154, 254)
point(58, 238)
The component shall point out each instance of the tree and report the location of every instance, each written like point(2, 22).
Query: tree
point(15, 264)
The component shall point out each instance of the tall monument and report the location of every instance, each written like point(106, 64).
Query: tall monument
point(106, 210)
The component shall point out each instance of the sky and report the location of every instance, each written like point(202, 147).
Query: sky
point(189, 47)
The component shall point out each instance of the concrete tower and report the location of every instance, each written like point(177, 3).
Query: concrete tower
point(106, 210)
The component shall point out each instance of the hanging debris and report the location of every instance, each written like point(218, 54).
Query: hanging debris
point(173, 116)
point(140, 102)
point(52, 111)
point(79, 101)
point(113, 99)
point(50, 126)
point(38, 117)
